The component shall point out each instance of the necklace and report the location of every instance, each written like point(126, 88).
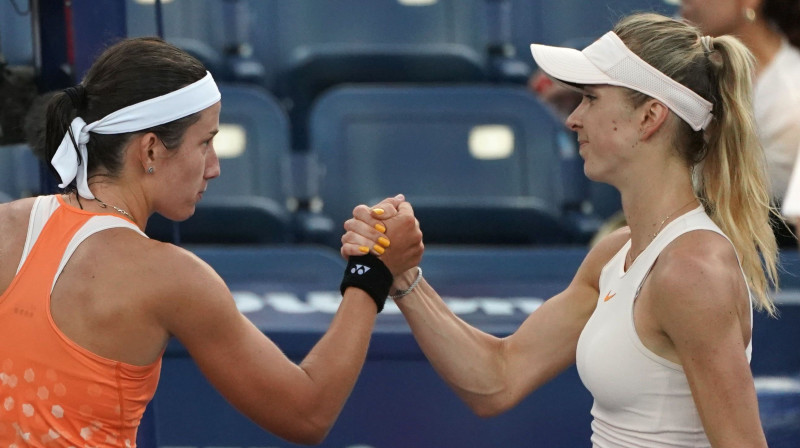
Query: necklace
point(119, 210)
point(660, 226)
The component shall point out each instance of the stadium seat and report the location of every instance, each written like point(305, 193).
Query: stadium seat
point(552, 23)
point(234, 220)
point(15, 33)
point(454, 150)
point(19, 171)
point(253, 145)
point(316, 69)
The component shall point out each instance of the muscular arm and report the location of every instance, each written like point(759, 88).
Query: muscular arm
point(492, 374)
point(706, 316)
point(297, 402)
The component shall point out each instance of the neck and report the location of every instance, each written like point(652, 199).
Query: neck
point(763, 41)
point(649, 212)
point(111, 198)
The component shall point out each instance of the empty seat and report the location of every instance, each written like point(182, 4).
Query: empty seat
point(234, 220)
point(253, 144)
point(317, 68)
point(484, 153)
point(16, 44)
point(552, 23)
point(19, 171)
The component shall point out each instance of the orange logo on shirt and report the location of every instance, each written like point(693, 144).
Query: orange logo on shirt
point(609, 296)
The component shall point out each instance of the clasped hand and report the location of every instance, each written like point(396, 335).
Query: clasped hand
point(388, 230)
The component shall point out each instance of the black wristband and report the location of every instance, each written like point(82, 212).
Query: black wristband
point(368, 273)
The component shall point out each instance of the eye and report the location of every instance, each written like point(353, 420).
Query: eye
point(589, 97)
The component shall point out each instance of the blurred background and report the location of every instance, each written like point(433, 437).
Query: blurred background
point(330, 103)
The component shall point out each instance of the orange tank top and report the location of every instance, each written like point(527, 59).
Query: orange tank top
point(54, 393)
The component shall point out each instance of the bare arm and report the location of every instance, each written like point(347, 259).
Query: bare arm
point(492, 374)
point(706, 315)
point(297, 402)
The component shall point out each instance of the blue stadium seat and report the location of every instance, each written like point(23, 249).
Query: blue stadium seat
point(255, 165)
point(19, 171)
point(449, 149)
point(553, 23)
point(234, 220)
point(15, 33)
point(318, 68)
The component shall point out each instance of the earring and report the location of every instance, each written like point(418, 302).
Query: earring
point(750, 14)
point(151, 170)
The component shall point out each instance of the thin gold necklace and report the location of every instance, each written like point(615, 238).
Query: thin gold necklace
point(119, 210)
point(660, 226)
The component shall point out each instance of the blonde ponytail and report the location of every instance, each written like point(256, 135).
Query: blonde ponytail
point(732, 181)
point(727, 159)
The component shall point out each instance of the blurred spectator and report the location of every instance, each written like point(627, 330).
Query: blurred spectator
point(771, 29)
point(791, 202)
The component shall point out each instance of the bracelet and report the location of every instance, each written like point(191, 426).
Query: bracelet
point(403, 292)
point(368, 273)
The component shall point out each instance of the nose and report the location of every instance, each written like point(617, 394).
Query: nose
point(573, 120)
point(212, 164)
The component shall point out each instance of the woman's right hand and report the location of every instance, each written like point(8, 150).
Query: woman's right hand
point(388, 230)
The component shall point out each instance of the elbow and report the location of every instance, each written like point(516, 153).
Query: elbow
point(307, 433)
point(487, 409)
point(487, 406)
point(301, 426)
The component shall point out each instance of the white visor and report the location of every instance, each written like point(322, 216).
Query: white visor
point(144, 115)
point(609, 61)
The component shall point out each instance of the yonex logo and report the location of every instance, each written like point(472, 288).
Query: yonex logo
point(360, 269)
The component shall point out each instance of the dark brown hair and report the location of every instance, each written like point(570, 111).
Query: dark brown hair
point(126, 73)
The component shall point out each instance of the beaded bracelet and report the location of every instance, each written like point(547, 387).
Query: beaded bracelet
point(403, 292)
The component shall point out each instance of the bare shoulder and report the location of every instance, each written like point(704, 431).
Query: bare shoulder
point(15, 213)
point(697, 278)
point(174, 268)
point(168, 277)
point(14, 217)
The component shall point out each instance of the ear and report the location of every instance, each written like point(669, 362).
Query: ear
point(149, 149)
point(755, 5)
point(654, 115)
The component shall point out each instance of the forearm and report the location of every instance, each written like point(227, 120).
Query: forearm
point(334, 363)
point(469, 360)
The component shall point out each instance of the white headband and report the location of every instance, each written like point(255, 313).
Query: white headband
point(136, 117)
point(609, 61)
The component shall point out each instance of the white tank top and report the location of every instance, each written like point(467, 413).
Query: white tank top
point(640, 398)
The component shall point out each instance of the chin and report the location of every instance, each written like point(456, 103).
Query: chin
point(179, 215)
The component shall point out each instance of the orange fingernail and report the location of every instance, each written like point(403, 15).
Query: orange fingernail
point(380, 228)
point(363, 249)
point(378, 211)
point(380, 250)
point(383, 241)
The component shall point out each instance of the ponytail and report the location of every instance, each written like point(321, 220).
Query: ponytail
point(727, 159)
point(732, 181)
point(60, 113)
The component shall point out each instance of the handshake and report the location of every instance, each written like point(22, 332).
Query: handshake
point(383, 245)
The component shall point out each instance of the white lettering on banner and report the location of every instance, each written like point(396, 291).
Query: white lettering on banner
point(328, 302)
